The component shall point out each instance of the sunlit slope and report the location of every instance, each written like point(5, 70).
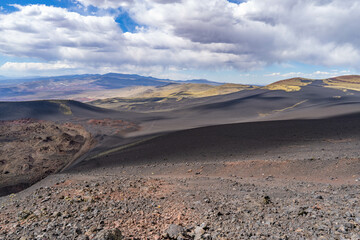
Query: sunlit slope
point(350, 82)
point(191, 90)
point(177, 96)
point(289, 85)
point(167, 97)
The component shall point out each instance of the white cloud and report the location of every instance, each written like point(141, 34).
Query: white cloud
point(292, 74)
point(313, 75)
point(106, 3)
point(20, 69)
point(256, 32)
point(31, 66)
point(322, 73)
point(272, 74)
point(187, 34)
point(53, 34)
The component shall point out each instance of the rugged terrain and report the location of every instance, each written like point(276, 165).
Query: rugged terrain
point(31, 150)
point(185, 201)
point(265, 180)
point(274, 162)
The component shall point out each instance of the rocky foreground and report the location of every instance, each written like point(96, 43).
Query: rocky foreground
point(117, 204)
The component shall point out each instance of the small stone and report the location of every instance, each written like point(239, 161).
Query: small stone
point(319, 197)
point(203, 225)
point(174, 231)
point(78, 231)
point(86, 209)
point(37, 213)
point(266, 200)
point(269, 178)
point(114, 234)
point(199, 231)
point(57, 214)
point(24, 214)
point(342, 229)
point(303, 212)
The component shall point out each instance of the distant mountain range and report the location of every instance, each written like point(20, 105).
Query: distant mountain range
point(110, 80)
point(91, 87)
point(65, 86)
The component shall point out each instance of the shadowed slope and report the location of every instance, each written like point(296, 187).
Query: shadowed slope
point(286, 140)
point(50, 110)
point(311, 102)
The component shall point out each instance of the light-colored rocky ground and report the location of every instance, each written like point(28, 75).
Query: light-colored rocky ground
point(183, 201)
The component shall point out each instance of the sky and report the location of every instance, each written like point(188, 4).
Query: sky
point(253, 41)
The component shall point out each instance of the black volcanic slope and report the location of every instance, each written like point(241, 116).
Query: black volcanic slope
point(325, 139)
point(262, 102)
point(59, 110)
point(311, 99)
point(250, 104)
point(311, 102)
point(326, 122)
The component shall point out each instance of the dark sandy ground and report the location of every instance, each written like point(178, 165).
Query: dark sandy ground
point(324, 139)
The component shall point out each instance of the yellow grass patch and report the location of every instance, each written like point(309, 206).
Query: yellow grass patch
point(64, 109)
point(289, 85)
point(344, 83)
point(282, 110)
point(190, 90)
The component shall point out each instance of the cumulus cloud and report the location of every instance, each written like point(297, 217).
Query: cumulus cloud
point(106, 3)
point(211, 34)
point(263, 32)
point(257, 32)
point(272, 74)
point(31, 66)
point(313, 75)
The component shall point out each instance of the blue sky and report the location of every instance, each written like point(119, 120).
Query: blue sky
point(229, 41)
point(7, 8)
